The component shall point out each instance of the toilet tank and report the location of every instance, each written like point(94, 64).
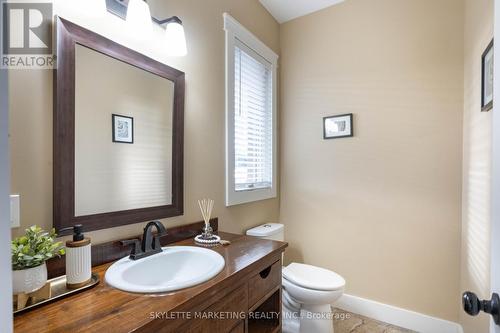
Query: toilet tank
point(272, 231)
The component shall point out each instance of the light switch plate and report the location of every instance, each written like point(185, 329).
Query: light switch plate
point(15, 211)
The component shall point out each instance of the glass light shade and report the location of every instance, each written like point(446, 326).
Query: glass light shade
point(139, 16)
point(175, 39)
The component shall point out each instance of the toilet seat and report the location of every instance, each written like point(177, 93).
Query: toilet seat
point(313, 278)
point(311, 296)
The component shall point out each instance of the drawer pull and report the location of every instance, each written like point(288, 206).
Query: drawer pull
point(265, 273)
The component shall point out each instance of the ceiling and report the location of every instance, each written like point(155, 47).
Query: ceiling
point(286, 10)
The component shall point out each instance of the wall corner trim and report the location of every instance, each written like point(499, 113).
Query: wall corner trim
point(397, 316)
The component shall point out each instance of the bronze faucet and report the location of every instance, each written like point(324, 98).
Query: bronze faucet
point(150, 242)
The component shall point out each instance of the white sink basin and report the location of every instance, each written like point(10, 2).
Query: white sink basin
point(175, 268)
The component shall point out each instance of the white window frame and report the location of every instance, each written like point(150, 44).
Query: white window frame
point(236, 34)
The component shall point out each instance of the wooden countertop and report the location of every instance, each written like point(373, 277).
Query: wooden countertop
point(105, 309)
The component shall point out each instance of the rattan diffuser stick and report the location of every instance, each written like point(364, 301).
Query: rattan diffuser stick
point(206, 206)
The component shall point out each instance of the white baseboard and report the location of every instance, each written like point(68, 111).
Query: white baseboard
point(396, 316)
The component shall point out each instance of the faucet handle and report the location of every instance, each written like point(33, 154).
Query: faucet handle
point(136, 250)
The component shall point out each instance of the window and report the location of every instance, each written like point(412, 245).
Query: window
point(251, 69)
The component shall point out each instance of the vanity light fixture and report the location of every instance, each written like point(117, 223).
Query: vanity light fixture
point(137, 12)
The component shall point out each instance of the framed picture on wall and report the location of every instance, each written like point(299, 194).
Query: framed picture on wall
point(487, 79)
point(123, 129)
point(340, 126)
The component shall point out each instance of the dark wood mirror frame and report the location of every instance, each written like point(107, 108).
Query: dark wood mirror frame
point(68, 35)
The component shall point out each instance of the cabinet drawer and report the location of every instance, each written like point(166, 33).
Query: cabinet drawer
point(227, 319)
point(264, 282)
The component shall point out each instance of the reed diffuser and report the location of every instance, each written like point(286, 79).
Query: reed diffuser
point(207, 237)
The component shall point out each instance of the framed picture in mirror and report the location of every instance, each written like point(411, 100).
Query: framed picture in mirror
point(123, 129)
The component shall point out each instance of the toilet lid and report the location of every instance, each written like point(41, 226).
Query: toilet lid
point(312, 277)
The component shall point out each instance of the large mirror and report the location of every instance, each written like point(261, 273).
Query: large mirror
point(118, 133)
point(123, 143)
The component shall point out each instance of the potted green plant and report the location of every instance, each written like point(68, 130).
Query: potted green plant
point(29, 253)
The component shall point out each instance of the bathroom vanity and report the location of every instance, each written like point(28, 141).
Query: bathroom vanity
point(244, 297)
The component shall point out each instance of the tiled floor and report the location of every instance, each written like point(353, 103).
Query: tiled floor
point(346, 322)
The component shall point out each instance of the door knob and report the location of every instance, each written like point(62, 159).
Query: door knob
point(473, 305)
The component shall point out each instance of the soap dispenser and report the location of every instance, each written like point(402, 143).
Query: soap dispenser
point(78, 259)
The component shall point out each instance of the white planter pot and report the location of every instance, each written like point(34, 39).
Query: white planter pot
point(29, 280)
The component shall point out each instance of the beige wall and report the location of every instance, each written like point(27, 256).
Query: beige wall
point(476, 208)
point(31, 110)
point(382, 208)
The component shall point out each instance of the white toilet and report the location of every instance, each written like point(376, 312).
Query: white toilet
point(308, 291)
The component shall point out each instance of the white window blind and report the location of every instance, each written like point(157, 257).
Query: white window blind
point(251, 116)
point(253, 121)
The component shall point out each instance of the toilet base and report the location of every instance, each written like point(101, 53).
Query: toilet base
point(307, 319)
point(290, 314)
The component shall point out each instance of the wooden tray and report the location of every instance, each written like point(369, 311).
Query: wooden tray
point(56, 289)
